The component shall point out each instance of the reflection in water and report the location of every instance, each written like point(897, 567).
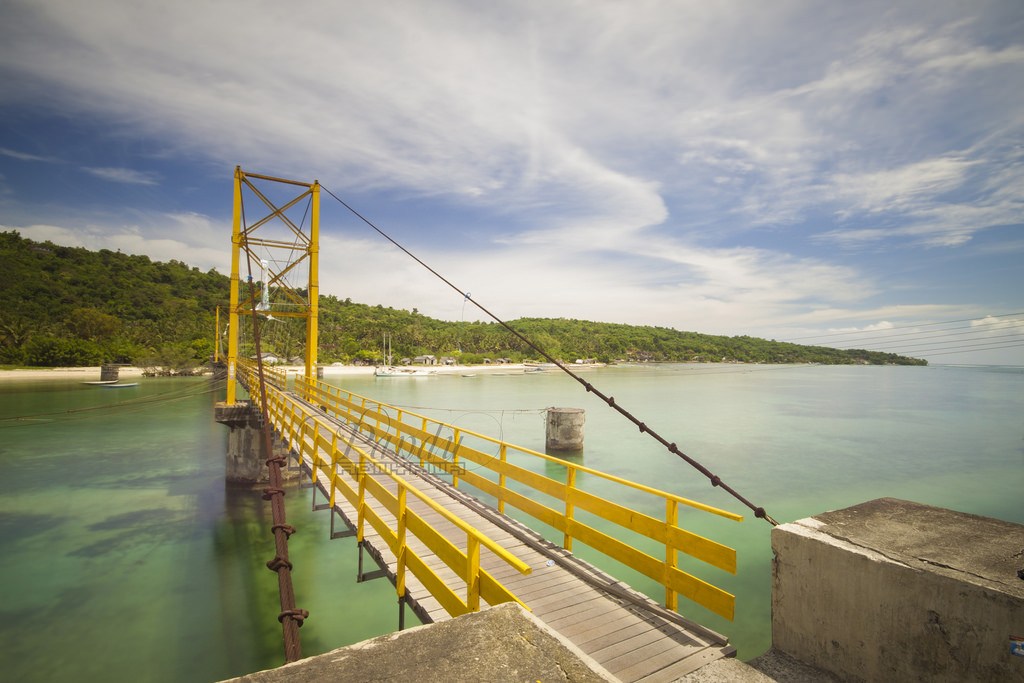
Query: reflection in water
point(242, 543)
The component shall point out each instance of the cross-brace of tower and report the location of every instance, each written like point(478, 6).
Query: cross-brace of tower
point(302, 247)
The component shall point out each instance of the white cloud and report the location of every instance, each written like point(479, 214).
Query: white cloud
point(992, 325)
point(182, 237)
point(123, 175)
point(22, 156)
point(900, 188)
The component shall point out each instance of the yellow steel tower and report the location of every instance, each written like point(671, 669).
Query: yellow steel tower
point(300, 247)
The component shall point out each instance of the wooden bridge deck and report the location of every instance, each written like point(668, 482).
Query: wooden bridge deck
point(630, 635)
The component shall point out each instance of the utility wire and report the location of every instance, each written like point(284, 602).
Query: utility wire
point(902, 327)
point(609, 400)
point(991, 332)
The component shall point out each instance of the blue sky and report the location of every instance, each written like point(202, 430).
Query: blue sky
point(847, 172)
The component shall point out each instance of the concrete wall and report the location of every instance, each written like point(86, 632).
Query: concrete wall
point(891, 590)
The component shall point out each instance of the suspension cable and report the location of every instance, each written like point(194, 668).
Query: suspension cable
point(609, 400)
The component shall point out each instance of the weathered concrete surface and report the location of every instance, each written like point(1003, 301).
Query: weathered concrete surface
point(781, 668)
point(892, 590)
point(504, 643)
point(564, 430)
point(771, 667)
point(245, 462)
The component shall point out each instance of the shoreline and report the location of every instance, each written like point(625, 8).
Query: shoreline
point(87, 374)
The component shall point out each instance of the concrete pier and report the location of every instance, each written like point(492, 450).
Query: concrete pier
point(565, 429)
point(246, 459)
point(891, 590)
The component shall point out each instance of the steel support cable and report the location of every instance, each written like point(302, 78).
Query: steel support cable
point(609, 400)
point(291, 617)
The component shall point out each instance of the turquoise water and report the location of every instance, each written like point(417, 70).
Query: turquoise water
point(124, 557)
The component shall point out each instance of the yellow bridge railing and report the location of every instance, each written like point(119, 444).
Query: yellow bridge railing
point(417, 437)
point(333, 454)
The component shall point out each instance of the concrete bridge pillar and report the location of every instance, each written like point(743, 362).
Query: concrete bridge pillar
point(565, 429)
point(246, 459)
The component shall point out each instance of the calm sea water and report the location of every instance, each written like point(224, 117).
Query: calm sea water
point(124, 557)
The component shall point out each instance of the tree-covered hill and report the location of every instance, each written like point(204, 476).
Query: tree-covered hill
point(67, 306)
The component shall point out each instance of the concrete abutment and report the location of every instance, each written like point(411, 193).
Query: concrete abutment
point(245, 461)
point(891, 590)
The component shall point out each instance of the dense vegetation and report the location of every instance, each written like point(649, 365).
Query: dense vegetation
point(66, 306)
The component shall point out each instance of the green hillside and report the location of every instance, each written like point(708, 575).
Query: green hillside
point(67, 306)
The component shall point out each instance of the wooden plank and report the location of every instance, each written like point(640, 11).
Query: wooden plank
point(652, 664)
point(637, 650)
point(537, 593)
point(572, 614)
point(679, 668)
point(598, 643)
point(580, 593)
point(584, 631)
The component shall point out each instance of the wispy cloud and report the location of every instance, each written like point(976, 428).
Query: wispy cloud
point(22, 156)
point(124, 175)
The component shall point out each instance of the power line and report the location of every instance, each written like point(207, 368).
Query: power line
point(913, 340)
point(903, 327)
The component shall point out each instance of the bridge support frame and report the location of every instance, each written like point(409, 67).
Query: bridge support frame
point(307, 248)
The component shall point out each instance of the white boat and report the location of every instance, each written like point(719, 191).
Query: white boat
point(101, 382)
point(392, 371)
point(120, 386)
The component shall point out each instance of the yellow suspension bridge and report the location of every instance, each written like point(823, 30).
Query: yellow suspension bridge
point(409, 488)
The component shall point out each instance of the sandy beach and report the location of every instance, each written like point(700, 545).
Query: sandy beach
point(85, 374)
point(89, 374)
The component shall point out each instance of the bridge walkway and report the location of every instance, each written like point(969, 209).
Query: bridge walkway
point(631, 636)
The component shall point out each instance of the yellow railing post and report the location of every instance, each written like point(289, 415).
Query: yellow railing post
point(503, 456)
point(671, 552)
point(316, 449)
point(472, 573)
point(361, 510)
point(457, 439)
point(570, 486)
point(423, 442)
point(401, 550)
point(334, 469)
